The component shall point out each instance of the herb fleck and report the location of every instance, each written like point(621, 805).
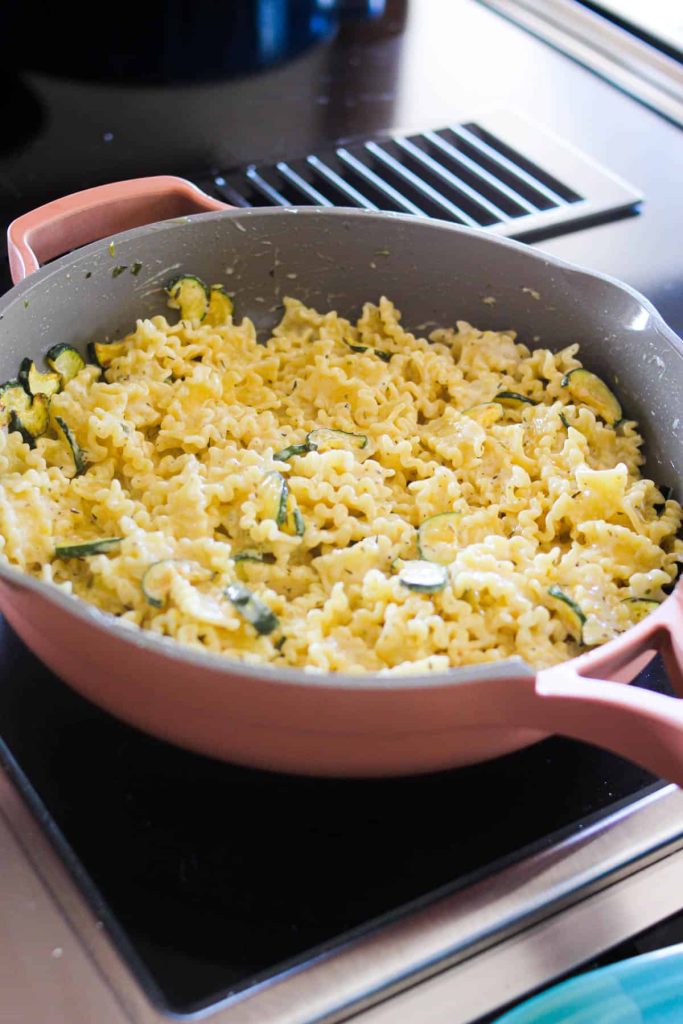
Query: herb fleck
point(25, 303)
point(88, 274)
point(112, 249)
point(119, 270)
point(136, 268)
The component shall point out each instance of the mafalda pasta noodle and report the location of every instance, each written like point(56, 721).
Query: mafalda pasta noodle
point(277, 502)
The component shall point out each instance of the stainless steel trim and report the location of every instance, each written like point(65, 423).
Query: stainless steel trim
point(604, 192)
point(612, 52)
point(529, 961)
point(424, 943)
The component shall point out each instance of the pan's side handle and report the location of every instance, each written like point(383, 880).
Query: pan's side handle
point(83, 217)
point(637, 724)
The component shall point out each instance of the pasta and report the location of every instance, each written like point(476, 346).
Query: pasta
point(201, 458)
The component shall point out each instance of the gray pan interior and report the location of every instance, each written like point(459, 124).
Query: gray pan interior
point(436, 273)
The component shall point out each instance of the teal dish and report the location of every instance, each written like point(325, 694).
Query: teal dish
point(643, 990)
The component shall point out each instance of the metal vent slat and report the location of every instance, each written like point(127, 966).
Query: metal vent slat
point(379, 183)
point(464, 161)
point(494, 156)
point(302, 185)
point(450, 179)
point(264, 188)
point(340, 184)
point(419, 185)
point(500, 173)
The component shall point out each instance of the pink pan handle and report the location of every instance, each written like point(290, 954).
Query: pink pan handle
point(634, 723)
point(83, 217)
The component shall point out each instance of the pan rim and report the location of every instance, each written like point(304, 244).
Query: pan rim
point(224, 665)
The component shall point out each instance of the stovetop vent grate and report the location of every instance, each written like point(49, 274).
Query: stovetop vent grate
point(501, 173)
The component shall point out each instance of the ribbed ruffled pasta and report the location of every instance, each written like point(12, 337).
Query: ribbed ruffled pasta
point(181, 430)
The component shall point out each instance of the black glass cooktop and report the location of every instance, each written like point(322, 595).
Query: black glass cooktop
point(212, 877)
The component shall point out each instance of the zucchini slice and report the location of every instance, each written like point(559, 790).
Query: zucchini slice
point(93, 547)
point(220, 307)
point(324, 438)
point(380, 353)
point(66, 361)
point(568, 612)
point(158, 578)
point(250, 555)
point(277, 503)
point(487, 413)
point(641, 607)
point(37, 383)
point(513, 400)
point(190, 295)
point(588, 389)
point(273, 495)
point(80, 461)
point(105, 352)
point(294, 523)
point(13, 398)
point(423, 577)
point(437, 538)
point(252, 608)
point(33, 420)
point(291, 451)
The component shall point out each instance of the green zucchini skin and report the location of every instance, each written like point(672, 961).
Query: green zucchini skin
point(252, 609)
point(293, 449)
point(103, 353)
point(94, 547)
point(430, 541)
point(278, 506)
point(80, 461)
point(31, 422)
point(65, 360)
point(190, 295)
point(570, 613)
point(513, 400)
point(423, 577)
point(315, 439)
point(13, 398)
point(589, 389)
point(380, 353)
point(220, 307)
point(192, 569)
point(299, 523)
point(262, 557)
point(37, 383)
